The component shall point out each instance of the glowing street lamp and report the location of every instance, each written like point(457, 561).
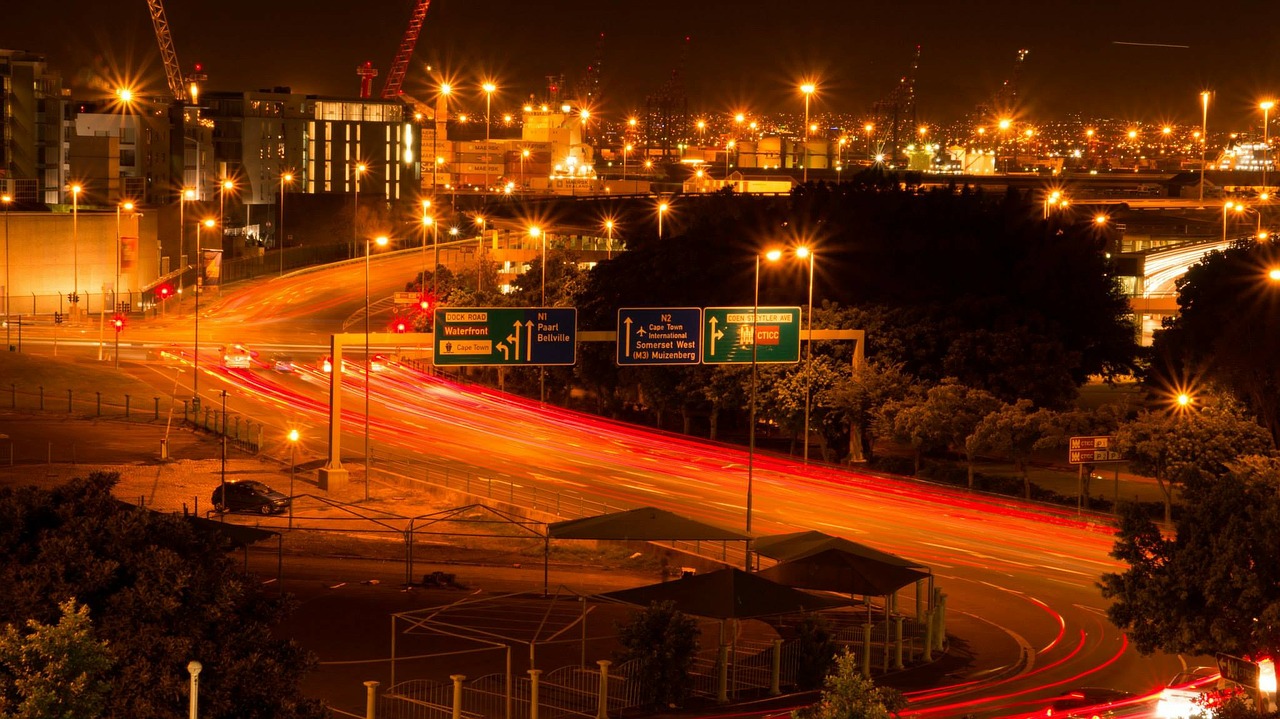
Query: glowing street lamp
point(293, 468)
point(1266, 146)
point(359, 169)
point(626, 150)
point(536, 233)
point(285, 179)
point(209, 223)
point(807, 89)
point(368, 361)
point(662, 210)
point(127, 206)
point(803, 252)
point(608, 228)
point(8, 288)
point(227, 185)
point(1204, 136)
point(75, 249)
point(1225, 209)
point(185, 196)
point(489, 88)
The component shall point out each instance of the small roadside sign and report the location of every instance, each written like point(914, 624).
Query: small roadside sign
point(506, 336)
point(1092, 450)
point(659, 336)
point(406, 298)
point(731, 332)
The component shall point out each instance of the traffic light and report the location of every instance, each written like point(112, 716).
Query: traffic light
point(164, 291)
point(73, 297)
point(117, 321)
point(427, 302)
point(400, 327)
point(57, 318)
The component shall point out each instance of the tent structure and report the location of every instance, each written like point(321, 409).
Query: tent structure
point(644, 524)
point(837, 570)
point(728, 593)
point(783, 547)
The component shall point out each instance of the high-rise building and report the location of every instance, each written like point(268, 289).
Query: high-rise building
point(32, 154)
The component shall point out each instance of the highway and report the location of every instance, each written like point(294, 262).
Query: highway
point(1020, 581)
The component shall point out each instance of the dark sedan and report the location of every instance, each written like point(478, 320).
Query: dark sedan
point(249, 495)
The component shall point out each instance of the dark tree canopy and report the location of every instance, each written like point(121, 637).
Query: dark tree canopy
point(1213, 587)
point(1225, 329)
point(946, 284)
point(158, 593)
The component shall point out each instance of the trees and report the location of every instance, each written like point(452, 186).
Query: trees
point(160, 595)
point(54, 670)
point(1214, 586)
point(1014, 430)
point(847, 694)
point(1227, 305)
point(663, 642)
point(1180, 446)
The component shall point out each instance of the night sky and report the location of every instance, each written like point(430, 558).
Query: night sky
point(741, 54)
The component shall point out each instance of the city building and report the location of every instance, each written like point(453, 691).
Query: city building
point(32, 154)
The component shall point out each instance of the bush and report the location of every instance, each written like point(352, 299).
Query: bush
point(817, 650)
point(663, 642)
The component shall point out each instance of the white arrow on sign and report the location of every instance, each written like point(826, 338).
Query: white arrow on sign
point(515, 339)
point(714, 334)
point(528, 341)
point(627, 350)
point(506, 351)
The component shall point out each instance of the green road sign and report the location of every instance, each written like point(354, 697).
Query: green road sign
point(728, 331)
point(505, 335)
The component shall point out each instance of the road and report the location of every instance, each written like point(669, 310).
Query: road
point(1020, 580)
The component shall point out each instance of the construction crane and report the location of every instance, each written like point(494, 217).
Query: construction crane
point(395, 77)
point(172, 71)
point(894, 117)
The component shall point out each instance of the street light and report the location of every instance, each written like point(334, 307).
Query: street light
point(662, 210)
point(441, 101)
point(489, 89)
point(728, 147)
point(427, 221)
point(115, 288)
point(186, 194)
point(808, 89)
point(226, 186)
point(75, 249)
point(293, 469)
point(368, 363)
point(772, 256)
point(195, 356)
point(608, 228)
point(537, 233)
point(479, 249)
point(1204, 136)
point(1266, 108)
point(360, 169)
point(8, 289)
point(626, 149)
point(285, 179)
point(803, 252)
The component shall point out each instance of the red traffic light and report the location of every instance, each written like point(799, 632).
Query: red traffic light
point(117, 321)
point(164, 291)
point(426, 302)
point(400, 327)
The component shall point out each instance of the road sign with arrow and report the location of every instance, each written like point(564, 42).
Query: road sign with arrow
point(506, 335)
point(731, 331)
point(659, 336)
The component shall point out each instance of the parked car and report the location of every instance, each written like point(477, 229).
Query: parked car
point(249, 495)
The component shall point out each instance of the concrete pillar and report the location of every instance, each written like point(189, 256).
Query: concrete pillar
point(897, 640)
point(941, 635)
point(602, 712)
point(775, 683)
point(722, 669)
point(533, 692)
point(370, 700)
point(457, 694)
point(928, 636)
point(866, 648)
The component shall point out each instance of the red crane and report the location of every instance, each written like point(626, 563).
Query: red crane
point(395, 78)
point(168, 54)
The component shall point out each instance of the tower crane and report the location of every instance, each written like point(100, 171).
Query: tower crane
point(395, 77)
point(172, 71)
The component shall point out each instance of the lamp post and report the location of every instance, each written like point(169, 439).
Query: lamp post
point(479, 249)
point(1266, 108)
point(193, 668)
point(357, 171)
point(728, 148)
point(1225, 209)
point(186, 194)
point(524, 156)
point(427, 221)
point(662, 210)
point(226, 186)
point(608, 228)
point(368, 363)
point(285, 179)
point(537, 233)
point(804, 252)
point(293, 469)
point(195, 356)
point(808, 89)
point(626, 149)
point(8, 289)
point(115, 288)
point(751, 411)
point(75, 249)
point(489, 89)
point(441, 101)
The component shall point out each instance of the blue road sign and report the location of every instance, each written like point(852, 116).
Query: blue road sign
point(506, 335)
point(659, 336)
